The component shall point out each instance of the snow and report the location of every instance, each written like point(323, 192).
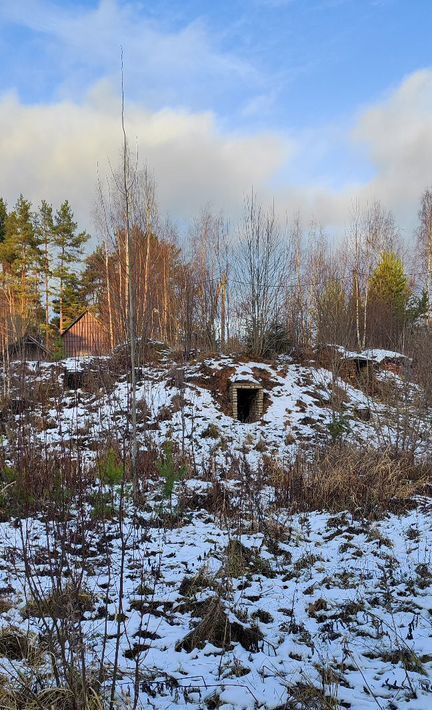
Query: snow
point(343, 604)
point(379, 356)
point(298, 409)
point(344, 594)
point(80, 364)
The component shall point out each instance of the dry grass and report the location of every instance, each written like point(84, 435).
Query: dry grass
point(305, 696)
point(70, 602)
point(240, 561)
point(39, 479)
point(217, 629)
point(24, 698)
point(17, 646)
point(348, 478)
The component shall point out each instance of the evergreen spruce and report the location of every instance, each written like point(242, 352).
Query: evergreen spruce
point(45, 232)
point(3, 220)
point(69, 246)
point(389, 296)
point(389, 283)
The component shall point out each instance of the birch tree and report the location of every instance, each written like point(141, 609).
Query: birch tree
point(425, 244)
point(209, 237)
point(259, 273)
point(372, 232)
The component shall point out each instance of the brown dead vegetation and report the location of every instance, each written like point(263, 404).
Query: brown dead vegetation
point(70, 602)
point(217, 382)
point(217, 629)
point(340, 478)
point(17, 646)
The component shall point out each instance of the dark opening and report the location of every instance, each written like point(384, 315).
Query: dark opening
point(361, 365)
point(246, 404)
point(74, 379)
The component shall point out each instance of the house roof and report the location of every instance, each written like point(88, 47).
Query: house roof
point(74, 322)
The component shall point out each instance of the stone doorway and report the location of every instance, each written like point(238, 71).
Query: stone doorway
point(247, 401)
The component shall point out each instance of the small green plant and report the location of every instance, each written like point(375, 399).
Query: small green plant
point(9, 474)
point(103, 508)
point(58, 352)
point(170, 470)
point(338, 427)
point(110, 468)
point(14, 493)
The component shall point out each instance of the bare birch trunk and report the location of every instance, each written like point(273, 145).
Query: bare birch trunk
point(165, 301)
point(108, 285)
point(146, 266)
point(131, 298)
point(223, 311)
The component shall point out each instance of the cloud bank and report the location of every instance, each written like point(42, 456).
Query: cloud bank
point(53, 151)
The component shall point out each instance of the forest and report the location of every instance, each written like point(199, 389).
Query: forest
point(261, 285)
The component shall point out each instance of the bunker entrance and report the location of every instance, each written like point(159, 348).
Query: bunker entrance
point(246, 405)
point(247, 402)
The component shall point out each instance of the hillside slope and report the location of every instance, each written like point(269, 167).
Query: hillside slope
point(189, 405)
point(279, 563)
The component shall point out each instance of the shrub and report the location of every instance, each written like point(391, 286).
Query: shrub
point(211, 432)
point(170, 470)
point(365, 481)
point(338, 427)
point(110, 468)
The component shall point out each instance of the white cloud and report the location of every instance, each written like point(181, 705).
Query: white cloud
point(393, 137)
point(396, 135)
point(52, 152)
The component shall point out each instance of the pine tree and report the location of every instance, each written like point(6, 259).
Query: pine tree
point(45, 232)
point(69, 245)
point(73, 300)
point(4, 310)
point(388, 300)
point(93, 279)
point(3, 219)
point(20, 255)
point(418, 307)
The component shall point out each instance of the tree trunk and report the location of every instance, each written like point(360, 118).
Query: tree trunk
point(46, 292)
point(131, 300)
point(108, 286)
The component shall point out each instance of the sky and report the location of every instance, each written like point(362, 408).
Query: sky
point(318, 104)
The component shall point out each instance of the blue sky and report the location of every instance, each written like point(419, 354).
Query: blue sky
point(309, 61)
point(301, 85)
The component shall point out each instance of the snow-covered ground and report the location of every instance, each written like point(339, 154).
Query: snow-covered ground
point(178, 403)
point(222, 605)
point(328, 608)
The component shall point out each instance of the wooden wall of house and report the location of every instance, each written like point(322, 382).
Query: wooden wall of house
point(85, 337)
point(27, 352)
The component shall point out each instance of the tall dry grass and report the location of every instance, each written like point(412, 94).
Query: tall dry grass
point(348, 478)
